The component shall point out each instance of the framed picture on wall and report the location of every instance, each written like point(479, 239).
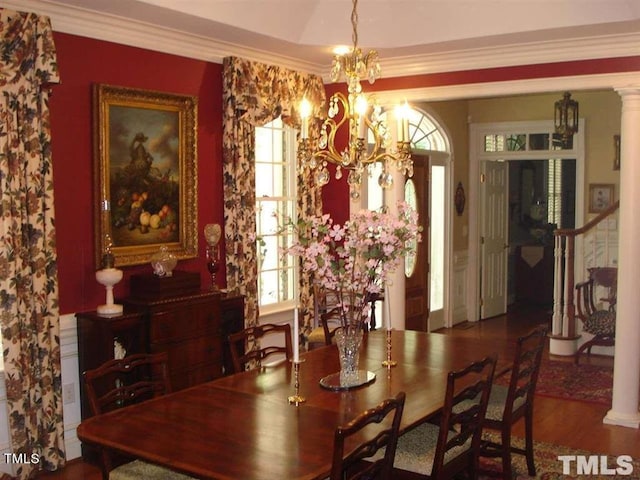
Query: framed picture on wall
point(145, 174)
point(600, 197)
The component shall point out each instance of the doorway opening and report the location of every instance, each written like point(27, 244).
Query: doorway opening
point(518, 200)
point(541, 199)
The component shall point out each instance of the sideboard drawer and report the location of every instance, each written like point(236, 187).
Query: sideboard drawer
point(184, 322)
point(191, 353)
point(196, 375)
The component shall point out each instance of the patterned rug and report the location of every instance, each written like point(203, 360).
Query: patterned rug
point(549, 467)
point(587, 383)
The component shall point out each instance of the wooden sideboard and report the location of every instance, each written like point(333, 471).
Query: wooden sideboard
point(192, 328)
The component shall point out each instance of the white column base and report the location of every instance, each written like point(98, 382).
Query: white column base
point(562, 346)
point(631, 420)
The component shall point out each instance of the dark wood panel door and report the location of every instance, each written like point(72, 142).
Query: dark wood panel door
point(417, 281)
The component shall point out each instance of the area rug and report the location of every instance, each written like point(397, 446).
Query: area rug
point(549, 467)
point(566, 380)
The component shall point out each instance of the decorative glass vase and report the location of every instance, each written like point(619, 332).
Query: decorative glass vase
point(163, 262)
point(349, 340)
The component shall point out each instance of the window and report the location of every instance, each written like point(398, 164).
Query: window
point(517, 142)
point(275, 201)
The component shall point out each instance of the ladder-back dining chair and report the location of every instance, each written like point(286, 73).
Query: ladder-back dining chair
point(451, 448)
point(117, 384)
point(359, 464)
point(509, 404)
point(242, 357)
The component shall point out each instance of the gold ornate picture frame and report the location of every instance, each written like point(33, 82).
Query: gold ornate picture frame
point(145, 184)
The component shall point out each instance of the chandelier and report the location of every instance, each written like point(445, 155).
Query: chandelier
point(566, 117)
point(369, 138)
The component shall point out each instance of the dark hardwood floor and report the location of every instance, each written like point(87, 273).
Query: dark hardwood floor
point(571, 423)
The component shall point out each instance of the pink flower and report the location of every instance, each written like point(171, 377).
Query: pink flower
point(356, 259)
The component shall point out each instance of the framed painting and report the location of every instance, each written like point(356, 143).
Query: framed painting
point(600, 197)
point(145, 174)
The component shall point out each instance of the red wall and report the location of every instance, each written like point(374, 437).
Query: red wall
point(83, 62)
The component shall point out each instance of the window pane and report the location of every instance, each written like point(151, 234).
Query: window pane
point(268, 287)
point(560, 144)
point(279, 180)
point(539, 141)
point(264, 180)
point(494, 143)
point(263, 145)
point(271, 253)
point(516, 142)
point(267, 217)
point(278, 138)
point(411, 199)
point(436, 242)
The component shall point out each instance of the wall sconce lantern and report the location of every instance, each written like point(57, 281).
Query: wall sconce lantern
point(566, 117)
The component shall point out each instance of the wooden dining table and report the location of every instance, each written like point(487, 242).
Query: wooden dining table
point(243, 427)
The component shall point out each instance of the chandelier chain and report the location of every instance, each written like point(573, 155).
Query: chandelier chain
point(354, 25)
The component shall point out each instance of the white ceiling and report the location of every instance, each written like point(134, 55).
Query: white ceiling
point(412, 36)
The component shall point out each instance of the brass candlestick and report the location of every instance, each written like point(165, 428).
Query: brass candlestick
point(296, 399)
point(389, 362)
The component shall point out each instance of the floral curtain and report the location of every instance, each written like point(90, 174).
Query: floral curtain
point(253, 95)
point(28, 266)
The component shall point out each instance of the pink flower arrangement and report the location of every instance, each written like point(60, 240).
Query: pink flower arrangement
point(355, 260)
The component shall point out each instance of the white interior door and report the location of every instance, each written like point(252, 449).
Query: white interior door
point(493, 238)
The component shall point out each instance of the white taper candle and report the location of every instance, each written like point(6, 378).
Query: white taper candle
point(296, 336)
point(387, 301)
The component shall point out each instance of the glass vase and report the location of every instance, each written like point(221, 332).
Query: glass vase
point(349, 341)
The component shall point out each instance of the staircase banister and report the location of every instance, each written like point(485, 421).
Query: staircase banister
point(572, 232)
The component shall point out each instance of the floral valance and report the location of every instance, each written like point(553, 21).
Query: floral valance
point(27, 51)
point(261, 92)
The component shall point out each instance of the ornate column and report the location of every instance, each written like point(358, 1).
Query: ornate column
point(626, 375)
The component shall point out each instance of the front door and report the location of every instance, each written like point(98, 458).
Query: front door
point(493, 240)
point(417, 268)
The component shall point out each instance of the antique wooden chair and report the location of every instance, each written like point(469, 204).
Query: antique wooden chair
point(323, 304)
point(508, 404)
point(121, 382)
point(599, 322)
point(325, 333)
point(242, 357)
point(452, 447)
point(359, 464)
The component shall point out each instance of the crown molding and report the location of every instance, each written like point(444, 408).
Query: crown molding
point(111, 28)
point(586, 48)
point(125, 31)
point(607, 81)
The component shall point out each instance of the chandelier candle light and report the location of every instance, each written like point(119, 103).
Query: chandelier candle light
point(363, 120)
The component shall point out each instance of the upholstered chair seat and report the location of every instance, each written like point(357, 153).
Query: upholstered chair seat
point(417, 448)
point(497, 400)
point(600, 322)
point(317, 337)
point(138, 469)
